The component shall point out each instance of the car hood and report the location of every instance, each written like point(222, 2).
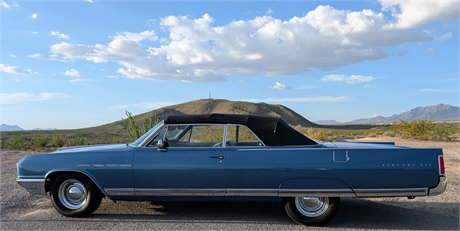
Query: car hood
point(94, 148)
point(361, 145)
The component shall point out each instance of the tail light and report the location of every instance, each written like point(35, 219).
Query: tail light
point(442, 170)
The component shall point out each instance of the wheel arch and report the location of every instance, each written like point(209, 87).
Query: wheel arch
point(55, 173)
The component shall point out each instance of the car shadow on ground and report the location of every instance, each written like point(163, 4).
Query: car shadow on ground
point(353, 214)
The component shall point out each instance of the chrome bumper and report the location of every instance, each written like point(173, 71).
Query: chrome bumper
point(33, 186)
point(440, 188)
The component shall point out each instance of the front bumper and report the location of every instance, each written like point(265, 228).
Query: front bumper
point(33, 186)
point(440, 188)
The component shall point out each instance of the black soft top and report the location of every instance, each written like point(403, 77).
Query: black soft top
point(273, 131)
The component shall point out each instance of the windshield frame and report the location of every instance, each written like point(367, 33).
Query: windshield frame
point(147, 136)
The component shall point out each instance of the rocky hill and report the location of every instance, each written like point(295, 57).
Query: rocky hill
point(6, 127)
point(207, 106)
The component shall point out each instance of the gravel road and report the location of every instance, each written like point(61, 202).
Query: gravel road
point(21, 211)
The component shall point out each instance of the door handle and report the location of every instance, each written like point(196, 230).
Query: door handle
point(220, 157)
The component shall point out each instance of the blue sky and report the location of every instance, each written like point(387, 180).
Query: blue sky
point(76, 64)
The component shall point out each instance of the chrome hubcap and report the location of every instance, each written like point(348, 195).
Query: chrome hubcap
point(72, 194)
point(312, 206)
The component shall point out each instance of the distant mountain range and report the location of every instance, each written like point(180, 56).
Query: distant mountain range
point(440, 112)
point(5, 127)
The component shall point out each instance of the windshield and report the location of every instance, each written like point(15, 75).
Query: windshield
point(147, 134)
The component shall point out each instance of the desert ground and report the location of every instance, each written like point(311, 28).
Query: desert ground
point(21, 211)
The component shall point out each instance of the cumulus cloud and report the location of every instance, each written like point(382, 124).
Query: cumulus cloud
point(90, 1)
point(20, 97)
point(352, 79)
point(16, 70)
point(60, 35)
point(72, 73)
point(280, 86)
point(325, 38)
point(34, 16)
point(415, 13)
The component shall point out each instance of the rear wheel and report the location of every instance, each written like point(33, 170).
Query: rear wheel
point(73, 195)
point(312, 211)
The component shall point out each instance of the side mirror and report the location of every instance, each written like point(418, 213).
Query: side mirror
point(161, 146)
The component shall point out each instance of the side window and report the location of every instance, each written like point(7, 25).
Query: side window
point(194, 135)
point(238, 135)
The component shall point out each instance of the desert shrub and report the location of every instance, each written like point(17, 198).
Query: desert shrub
point(17, 142)
point(422, 130)
point(318, 134)
point(59, 140)
point(77, 141)
point(40, 140)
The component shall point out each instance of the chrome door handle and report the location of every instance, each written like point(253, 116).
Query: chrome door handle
point(220, 157)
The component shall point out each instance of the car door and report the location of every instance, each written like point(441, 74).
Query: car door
point(192, 163)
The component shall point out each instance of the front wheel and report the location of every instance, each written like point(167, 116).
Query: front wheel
point(73, 195)
point(312, 211)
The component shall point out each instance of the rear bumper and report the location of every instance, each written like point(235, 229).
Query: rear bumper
point(33, 186)
point(442, 184)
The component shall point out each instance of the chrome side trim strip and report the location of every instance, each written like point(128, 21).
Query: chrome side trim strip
point(396, 192)
point(179, 192)
point(119, 191)
point(399, 192)
point(316, 192)
point(33, 186)
point(440, 188)
point(252, 192)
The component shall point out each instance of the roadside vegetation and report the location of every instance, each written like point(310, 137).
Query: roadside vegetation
point(129, 130)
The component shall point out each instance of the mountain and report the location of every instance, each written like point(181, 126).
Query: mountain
point(440, 112)
point(207, 106)
point(5, 127)
point(326, 122)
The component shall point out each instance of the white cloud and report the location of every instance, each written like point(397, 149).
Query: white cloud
point(431, 49)
point(439, 90)
point(415, 13)
point(90, 1)
point(72, 72)
point(352, 79)
point(13, 56)
point(280, 86)
point(112, 77)
point(319, 99)
point(444, 37)
point(79, 80)
point(34, 16)
point(16, 70)
point(325, 38)
point(20, 97)
point(6, 5)
point(60, 35)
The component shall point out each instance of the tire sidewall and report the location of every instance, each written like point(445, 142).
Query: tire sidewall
point(295, 215)
point(93, 197)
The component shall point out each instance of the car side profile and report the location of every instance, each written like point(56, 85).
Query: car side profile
point(221, 157)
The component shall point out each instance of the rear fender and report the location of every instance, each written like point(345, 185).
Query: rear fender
point(315, 187)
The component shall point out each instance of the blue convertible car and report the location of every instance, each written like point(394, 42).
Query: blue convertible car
point(218, 157)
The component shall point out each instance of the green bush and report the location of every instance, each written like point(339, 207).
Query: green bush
point(40, 140)
point(77, 142)
point(59, 140)
point(422, 130)
point(17, 142)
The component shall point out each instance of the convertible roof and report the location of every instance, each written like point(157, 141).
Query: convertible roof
point(273, 131)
